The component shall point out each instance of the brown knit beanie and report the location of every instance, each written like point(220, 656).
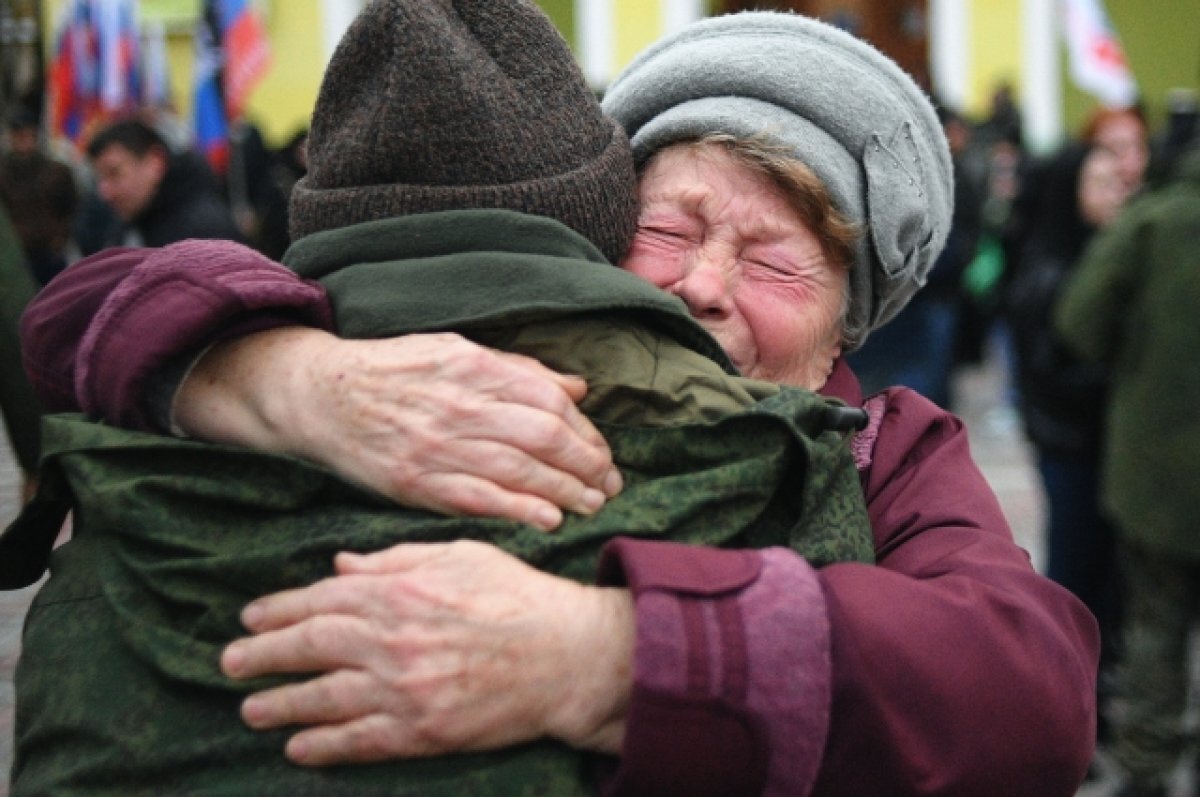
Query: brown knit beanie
point(434, 105)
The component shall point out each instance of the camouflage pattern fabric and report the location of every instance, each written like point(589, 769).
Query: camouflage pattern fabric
point(118, 687)
point(1153, 675)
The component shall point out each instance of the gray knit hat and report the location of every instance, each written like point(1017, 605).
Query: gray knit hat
point(842, 107)
point(434, 105)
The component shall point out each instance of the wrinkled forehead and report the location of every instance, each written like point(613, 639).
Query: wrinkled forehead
point(706, 179)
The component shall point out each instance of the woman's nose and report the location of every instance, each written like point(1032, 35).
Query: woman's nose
point(706, 288)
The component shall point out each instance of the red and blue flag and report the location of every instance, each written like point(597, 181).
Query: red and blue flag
point(120, 58)
point(95, 71)
point(74, 71)
point(231, 57)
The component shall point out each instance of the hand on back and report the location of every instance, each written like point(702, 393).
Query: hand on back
point(432, 421)
point(429, 649)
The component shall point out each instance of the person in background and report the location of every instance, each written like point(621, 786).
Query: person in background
point(1123, 133)
point(1176, 137)
point(1062, 397)
point(288, 164)
point(256, 196)
point(41, 199)
point(158, 196)
point(1131, 304)
point(949, 667)
point(1004, 121)
point(19, 407)
point(995, 162)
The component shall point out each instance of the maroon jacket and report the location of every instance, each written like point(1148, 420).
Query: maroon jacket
point(950, 667)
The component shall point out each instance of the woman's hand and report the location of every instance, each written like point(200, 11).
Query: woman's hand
point(431, 649)
point(431, 421)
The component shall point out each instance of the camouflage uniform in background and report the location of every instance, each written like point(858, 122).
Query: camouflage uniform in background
point(118, 689)
point(1132, 304)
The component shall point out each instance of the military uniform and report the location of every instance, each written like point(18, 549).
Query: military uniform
point(1132, 304)
point(174, 537)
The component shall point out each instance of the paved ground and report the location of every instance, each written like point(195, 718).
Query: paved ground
point(995, 437)
point(12, 609)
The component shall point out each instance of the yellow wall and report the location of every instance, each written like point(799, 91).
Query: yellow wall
point(1160, 45)
point(1162, 42)
point(1159, 39)
point(996, 46)
point(639, 23)
point(282, 103)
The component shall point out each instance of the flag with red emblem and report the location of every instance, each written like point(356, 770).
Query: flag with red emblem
point(232, 55)
point(1098, 64)
point(95, 72)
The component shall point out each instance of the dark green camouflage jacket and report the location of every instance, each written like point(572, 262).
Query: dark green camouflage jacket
point(119, 692)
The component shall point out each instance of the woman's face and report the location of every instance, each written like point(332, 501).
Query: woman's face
point(1102, 191)
point(1125, 138)
point(725, 241)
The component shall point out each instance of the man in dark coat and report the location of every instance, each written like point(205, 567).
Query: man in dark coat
point(159, 197)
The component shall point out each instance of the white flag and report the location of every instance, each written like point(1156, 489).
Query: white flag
point(156, 83)
point(1098, 63)
point(116, 29)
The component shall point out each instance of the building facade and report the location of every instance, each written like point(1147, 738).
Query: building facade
point(960, 49)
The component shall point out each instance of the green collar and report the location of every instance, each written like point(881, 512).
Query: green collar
point(473, 269)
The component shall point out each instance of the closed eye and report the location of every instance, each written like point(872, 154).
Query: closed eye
point(673, 233)
point(774, 268)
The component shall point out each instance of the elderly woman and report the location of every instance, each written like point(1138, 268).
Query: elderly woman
point(950, 667)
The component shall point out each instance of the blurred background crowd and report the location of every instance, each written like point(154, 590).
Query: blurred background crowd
point(131, 124)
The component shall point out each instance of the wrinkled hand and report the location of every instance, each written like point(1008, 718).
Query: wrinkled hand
point(430, 649)
point(431, 421)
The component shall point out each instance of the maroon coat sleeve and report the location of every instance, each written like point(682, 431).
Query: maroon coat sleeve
point(731, 671)
point(95, 334)
point(950, 667)
point(957, 668)
point(54, 323)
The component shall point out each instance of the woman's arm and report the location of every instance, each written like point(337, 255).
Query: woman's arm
point(95, 335)
point(432, 421)
point(957, 668)
point(951, 667)
point(467, 429)
point(436, 648)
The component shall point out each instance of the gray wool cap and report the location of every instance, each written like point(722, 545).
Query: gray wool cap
point(432, 105)
point(843, 108)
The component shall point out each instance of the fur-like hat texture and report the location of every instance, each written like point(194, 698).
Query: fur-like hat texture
point(432, 105)
point(843, 108)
